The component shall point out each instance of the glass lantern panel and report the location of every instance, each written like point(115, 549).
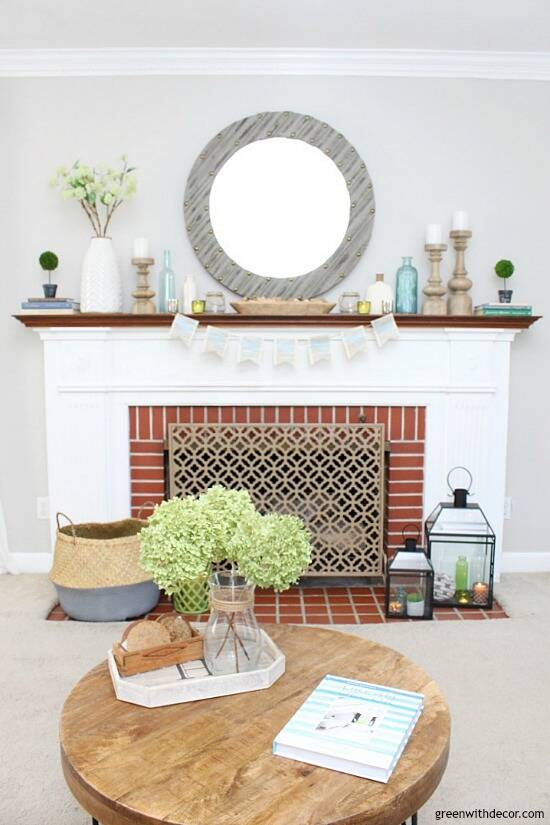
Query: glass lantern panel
point(463, 561)
point(459, 521)
point(408, 594)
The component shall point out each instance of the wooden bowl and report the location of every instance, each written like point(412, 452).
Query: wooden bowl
point(273, 306)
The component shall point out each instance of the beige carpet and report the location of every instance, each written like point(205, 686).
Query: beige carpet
point(496, 676)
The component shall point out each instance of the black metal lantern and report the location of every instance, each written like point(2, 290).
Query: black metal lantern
point(409, 582)
point(461, 545)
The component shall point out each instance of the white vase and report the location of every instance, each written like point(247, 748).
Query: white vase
point(100, 283)
point(380, 296)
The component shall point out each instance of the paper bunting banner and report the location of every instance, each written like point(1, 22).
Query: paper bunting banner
point(319, 349)
point(216, 341)
point(250, 349)
point(183, 328)
point(354, 341)
point(284, 351)
point(385, 329)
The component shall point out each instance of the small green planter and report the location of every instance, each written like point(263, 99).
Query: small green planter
point(192, 597)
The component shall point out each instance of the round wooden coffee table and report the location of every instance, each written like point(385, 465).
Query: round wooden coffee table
point(210, 762)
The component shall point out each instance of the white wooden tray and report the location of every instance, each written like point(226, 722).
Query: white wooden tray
point(191, 681)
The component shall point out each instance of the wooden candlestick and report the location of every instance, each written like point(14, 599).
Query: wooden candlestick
point(143, 305)
point(460, 303)
point(434, 289)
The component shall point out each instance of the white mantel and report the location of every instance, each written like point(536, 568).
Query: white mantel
point(92, 376)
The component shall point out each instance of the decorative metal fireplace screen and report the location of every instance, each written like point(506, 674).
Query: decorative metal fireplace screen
point(330, 475)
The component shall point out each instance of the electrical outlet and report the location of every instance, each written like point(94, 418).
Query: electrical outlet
point(43, 507)
point(507, 507)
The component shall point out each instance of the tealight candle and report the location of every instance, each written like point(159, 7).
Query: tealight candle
point(434, 234)
point(396, 608)
point(172, 305)
point(197, 306)
point(460, 220)
point(363, 307)
point(462, 597)
point(141, 248)
point(480, 593)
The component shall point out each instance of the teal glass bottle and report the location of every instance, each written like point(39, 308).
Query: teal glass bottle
point(167, 282)
point(406, 298)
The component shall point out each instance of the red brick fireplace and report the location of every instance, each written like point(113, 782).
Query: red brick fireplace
point(404, 432)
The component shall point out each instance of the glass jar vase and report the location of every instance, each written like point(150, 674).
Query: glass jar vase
point(348, 302)
point(215, 302)
point(232, 639)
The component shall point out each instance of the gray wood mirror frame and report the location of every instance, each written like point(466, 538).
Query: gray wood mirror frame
point(352, 238)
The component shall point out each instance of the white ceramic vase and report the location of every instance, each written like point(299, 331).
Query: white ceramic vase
point(100, 283)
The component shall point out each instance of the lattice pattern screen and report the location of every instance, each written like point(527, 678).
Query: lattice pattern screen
point(330, 475)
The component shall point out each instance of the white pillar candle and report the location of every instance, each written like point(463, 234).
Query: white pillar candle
point(141, 248)
point(433, 233)
point(460, 220)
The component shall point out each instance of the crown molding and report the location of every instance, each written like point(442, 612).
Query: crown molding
point(486, 65)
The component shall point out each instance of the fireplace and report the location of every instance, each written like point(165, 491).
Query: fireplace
point(355, 474)
point(441, 392)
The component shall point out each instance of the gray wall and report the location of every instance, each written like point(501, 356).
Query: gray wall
point(431, 146)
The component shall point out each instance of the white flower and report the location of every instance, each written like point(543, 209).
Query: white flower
point(107, 198)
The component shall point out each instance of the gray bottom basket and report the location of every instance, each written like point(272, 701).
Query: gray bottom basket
point(108, 604)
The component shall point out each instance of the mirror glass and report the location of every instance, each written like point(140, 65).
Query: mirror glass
point(279, 207)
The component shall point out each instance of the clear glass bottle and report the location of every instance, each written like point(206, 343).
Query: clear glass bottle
point(215, 302)
point(477, 567)
point(406, 293)
point(348, 302)
point(167, 282)
point(232, 638)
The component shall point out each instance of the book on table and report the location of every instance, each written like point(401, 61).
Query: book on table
point(352, 727)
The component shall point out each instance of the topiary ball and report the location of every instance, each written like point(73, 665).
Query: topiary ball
point(504, 268)
point(48, 261)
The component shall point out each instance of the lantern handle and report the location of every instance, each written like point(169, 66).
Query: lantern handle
point(414, 527)
point(460, 467)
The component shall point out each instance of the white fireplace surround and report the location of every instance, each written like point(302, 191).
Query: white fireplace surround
point(93, 375)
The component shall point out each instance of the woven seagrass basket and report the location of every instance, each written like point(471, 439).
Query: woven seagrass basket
point(98, 555)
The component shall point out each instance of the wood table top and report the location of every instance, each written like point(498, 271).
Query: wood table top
point(210, 762)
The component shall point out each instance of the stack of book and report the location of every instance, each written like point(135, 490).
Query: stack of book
point(55, 306)
point(352, 727)
point(491, 310)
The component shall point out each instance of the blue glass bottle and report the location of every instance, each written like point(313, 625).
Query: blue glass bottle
point(406, 299)
point(167, 282)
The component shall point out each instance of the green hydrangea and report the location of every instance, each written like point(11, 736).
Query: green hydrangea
point(178, 543)
point(273, 550)
point(226, 509)
point(185, 536)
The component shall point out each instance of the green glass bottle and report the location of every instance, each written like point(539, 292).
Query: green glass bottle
point(461, 573)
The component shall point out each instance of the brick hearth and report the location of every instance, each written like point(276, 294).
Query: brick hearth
point(325, 605)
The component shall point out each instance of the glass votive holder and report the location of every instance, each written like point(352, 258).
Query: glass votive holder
point(197, 306)
point(363, 307)
point(172, 305)
point(480, 593)
point(348, 302)
point(215, 302)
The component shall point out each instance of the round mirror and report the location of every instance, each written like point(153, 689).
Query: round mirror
point(279, 205)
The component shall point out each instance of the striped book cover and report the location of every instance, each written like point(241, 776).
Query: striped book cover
point(352, 727)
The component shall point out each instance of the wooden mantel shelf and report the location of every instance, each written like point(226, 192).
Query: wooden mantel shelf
point(234, 320)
